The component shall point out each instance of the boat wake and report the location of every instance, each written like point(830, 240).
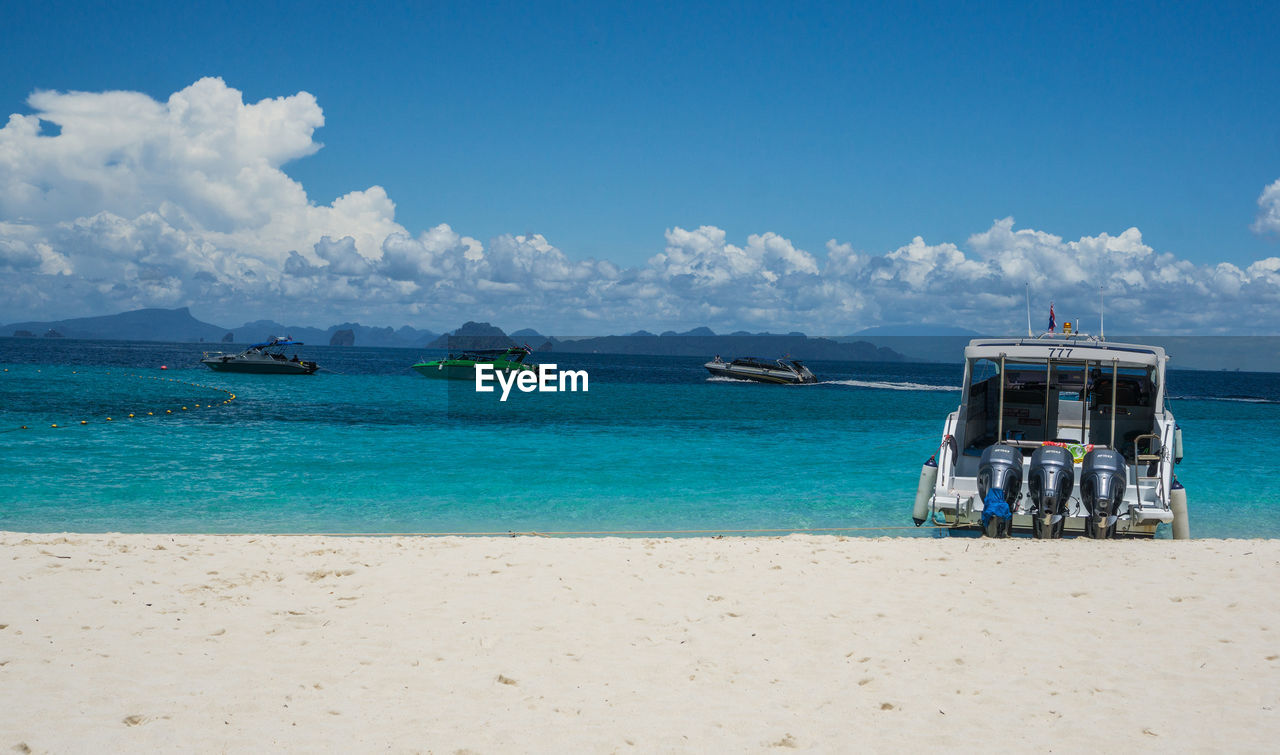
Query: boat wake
point(1235, 399)
point(890, 386)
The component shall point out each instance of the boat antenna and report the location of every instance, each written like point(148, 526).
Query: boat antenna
point(1029, 310)
point(1102, 316)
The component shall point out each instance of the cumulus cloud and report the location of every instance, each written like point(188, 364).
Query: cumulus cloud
point(1269, 210)
point(113, 201)
point(133, 192)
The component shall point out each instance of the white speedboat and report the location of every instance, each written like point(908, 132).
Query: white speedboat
point(749, 368)
point(1061, 434)
point(266, 357)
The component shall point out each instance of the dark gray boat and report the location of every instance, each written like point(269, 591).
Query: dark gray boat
point(265, 358)
point(786, 371)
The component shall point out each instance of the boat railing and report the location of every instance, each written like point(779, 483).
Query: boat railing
point(1142, 465)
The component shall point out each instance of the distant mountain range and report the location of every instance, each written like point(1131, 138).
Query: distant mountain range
point(925, 343)
point(702, 342)
point(180, 326)
point(699, 342)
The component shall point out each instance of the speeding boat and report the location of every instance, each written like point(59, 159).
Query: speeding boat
point(265, 357)
point(749, 368)
point(462, 365)
point(1064, 434)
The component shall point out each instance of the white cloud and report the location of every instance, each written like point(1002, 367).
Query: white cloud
point(1268, 210)
point(144, 203)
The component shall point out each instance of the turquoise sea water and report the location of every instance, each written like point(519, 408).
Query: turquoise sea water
point(370, 446)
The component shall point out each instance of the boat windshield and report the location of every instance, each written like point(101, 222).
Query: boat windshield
point(516, 354)
point(753, 362)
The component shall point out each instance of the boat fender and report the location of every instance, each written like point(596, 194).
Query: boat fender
point(1177, 444)
point(1178, 503)
point(924, 491)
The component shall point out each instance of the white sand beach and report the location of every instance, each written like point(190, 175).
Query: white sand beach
point(490, 645)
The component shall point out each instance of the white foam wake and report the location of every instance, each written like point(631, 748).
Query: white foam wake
point(1239, 399)
point(891, 386)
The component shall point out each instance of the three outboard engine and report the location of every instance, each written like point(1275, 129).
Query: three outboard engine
point(1102, 482)
point(999, 487)
point(1051, 480)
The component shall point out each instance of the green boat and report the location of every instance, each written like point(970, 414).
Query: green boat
point(462, 366)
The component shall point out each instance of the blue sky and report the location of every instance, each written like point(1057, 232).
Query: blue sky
point(601, 127)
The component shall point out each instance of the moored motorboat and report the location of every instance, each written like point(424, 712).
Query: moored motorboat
point(462, 365)
point(786, 371)
point(1061, 434)
point(265, 358)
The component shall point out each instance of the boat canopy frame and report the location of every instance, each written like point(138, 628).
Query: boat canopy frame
point(1092, 358)
point(517, 353)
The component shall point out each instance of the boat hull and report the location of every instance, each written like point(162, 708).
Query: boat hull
point(260, 367)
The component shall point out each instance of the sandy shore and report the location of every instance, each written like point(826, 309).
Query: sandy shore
point(212, 643)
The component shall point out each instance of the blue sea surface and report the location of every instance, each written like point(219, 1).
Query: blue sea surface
point(369, 446)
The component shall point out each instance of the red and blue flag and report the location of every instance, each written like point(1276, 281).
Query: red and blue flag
point(1052, 322)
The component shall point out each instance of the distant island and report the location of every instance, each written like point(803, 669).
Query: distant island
point(179, 325)
point(699, 342)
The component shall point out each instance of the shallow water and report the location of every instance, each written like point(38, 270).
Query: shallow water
point(370, 446)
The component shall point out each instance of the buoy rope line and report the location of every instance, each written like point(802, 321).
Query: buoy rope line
point(138, 415)
point(585, 533)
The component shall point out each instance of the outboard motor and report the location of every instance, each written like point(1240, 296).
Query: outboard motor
point(999, 487)
point(1049, 484)
point(1102, 483)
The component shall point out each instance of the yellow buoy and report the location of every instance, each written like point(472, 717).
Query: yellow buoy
point(150, 414)
point(184, 408)
point(168, 411)
point(55, 425)
point(81, 422)
point(108, 419)
point(130, 416)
